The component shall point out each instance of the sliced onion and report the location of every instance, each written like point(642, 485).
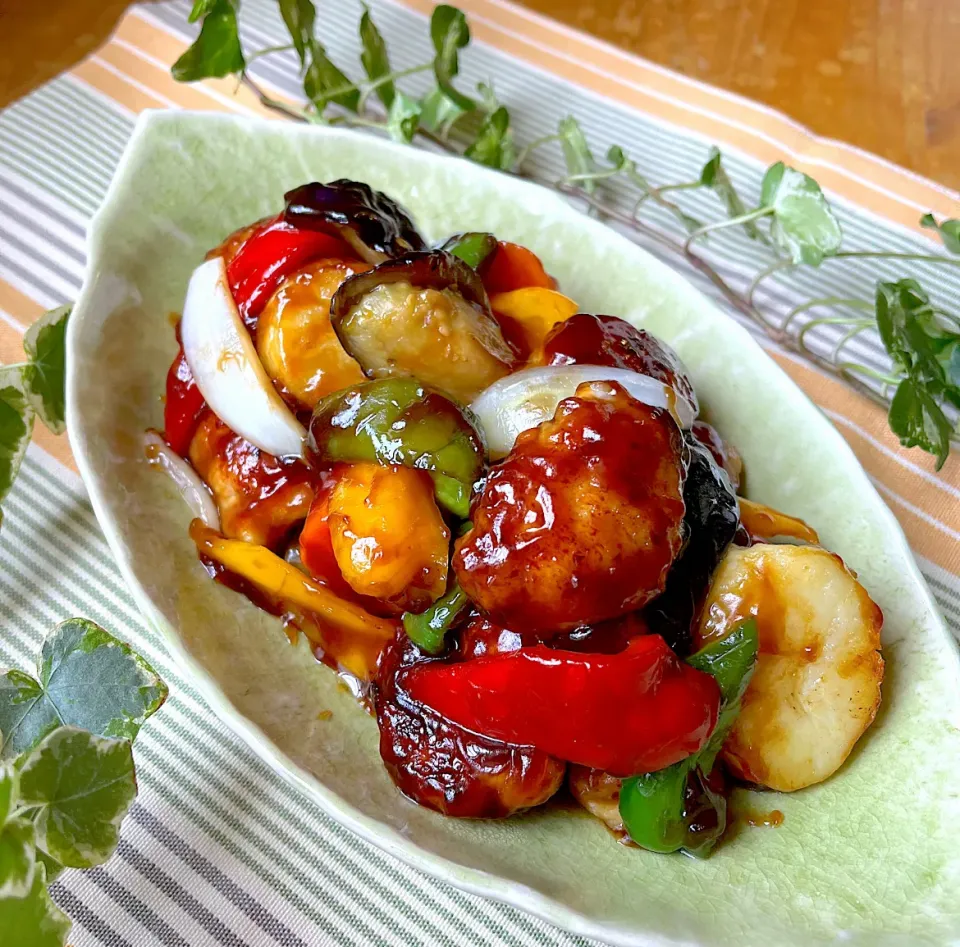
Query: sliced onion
point(185, 479)
point(526, 398)
point(227, 369)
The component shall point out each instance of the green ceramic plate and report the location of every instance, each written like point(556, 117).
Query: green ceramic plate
point(870, 857)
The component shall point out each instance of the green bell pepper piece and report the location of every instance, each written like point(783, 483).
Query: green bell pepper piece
point(473, 248)
point(658, 808)
point(399, 421)
point(429, 629)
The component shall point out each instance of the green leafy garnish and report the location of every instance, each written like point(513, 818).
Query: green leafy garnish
point(949, 230)
point(216, 52)
point(78, 787)
point(714, 175)
point(34, 919)
point(44, 374)
point(439, 112)
point(299, 16)
point(493, 145)
point(449, 33)
point(803, 225)
point(16, 425)
point(65, 790)
point(576, 151)
point(376, 63)
point(324, 82)
point(655, 806)
point(924, 347)
point(86, 678)
point(403, 119)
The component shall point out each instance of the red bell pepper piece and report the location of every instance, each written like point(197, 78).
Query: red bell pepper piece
point(269, 255)
point(633, 712)
point(512, 267)
point(183, 406)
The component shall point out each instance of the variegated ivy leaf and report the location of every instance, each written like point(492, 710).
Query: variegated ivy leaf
point(88, 679)
point(16, 425)
point(17, 858)
point(26, 717)
point(9, 788)
point(80, 787)
point(45, 371)
point(34, 919)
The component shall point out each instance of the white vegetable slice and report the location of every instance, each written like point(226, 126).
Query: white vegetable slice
point(227, 369)
point(185, 478)
point(526, 398)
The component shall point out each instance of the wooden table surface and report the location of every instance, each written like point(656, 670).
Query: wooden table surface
point(881, 74)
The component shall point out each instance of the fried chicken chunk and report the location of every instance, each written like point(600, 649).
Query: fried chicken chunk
point(582, 520)
point(259, 497)
point(447, 768)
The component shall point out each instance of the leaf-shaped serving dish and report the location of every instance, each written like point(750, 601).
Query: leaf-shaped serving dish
point(869, 855)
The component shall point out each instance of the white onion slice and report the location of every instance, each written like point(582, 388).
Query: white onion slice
point(526, 398)
point(185, 479)
point(227, 369)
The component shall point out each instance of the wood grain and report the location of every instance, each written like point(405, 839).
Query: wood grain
point(880, 74)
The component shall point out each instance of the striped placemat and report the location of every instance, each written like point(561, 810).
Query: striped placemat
point(218, 850)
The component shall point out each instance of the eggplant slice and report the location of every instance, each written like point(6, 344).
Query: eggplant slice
point(425, 314)
point(375, 225)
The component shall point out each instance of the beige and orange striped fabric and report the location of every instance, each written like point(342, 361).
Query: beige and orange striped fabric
point(59, 146)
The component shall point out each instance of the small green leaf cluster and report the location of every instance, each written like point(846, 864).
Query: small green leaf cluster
point(32, 389)
point(924, 345)
point(67, 775)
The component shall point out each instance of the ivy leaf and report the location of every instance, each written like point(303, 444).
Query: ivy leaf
point(81, 786)
point(324, 82)
point(438, 111)
point(35, 919)
point(51, 865)
point(948, 229)
point(45, 373)
point(26, 717)
point(17, 858)
point(403, 119)
point(9, 790)
point(493, 145)
point(576, 151)
point(916, 418)
point(374, 57)
point(216, 52)
point(299, 16)
point(714, 175)
point(16, 425)
point(803, 226)
point(88, 679)
point(449, 33)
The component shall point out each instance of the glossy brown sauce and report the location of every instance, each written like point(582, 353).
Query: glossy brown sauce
point(444, 767)
point(614, 342)
point(582, 521)
point(260, 497)
point(770, 819)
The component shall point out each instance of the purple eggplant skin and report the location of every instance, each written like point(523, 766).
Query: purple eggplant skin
point(429, 269)
point(372, 223)
point(424, 314)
